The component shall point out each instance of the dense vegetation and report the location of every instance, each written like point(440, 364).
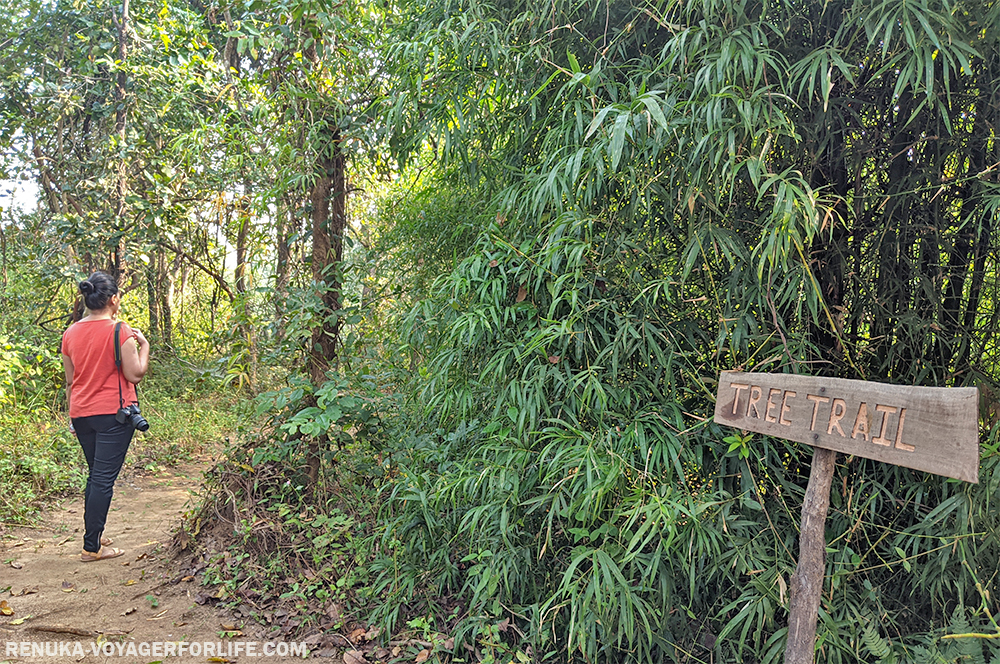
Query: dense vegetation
point(474, 268)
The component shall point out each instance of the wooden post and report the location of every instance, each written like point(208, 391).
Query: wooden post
point(807, 582)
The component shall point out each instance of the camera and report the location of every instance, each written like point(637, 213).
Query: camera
point(131, 416)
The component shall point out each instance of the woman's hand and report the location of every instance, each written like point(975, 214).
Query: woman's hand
point(135, 359)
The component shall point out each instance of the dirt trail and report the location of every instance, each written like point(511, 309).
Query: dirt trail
point(130, 603)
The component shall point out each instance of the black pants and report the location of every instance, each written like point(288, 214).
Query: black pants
point(104, 442)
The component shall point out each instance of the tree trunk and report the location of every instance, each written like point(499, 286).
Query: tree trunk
point(152, 302)
point(121, 184)
point(243, 219)
point(892, 282)
point(830, 252)
point(283, 252)
point(3, 249)
point(167, 300)
point(329, 219)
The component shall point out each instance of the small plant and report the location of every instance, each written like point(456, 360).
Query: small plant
point(740, 444)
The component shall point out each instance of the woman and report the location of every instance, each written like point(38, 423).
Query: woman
point(92, 387)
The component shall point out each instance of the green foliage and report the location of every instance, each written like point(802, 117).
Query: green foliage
point(676, 190)
point(37, 452)
point(611, 203)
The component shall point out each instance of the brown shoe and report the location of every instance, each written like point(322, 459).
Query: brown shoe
point(107, 541)
point(103, 554)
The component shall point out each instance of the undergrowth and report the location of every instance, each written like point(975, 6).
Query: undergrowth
point(269, 544)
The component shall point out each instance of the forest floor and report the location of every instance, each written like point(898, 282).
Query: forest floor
point(131, 609)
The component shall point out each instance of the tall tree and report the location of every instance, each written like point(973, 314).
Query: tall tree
point(313, 59)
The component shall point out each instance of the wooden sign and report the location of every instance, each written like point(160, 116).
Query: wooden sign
point(933, 429)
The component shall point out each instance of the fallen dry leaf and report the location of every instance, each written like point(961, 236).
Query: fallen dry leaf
point(20, 621)
point(396, 650)
point(372, 634)
point(554, 359)
point(522, 294)
point(222, 660)
point(422, 656)
point(129, 612)
point(130, 582)
point(68, 587)
point(354, 657)
point(24, 591)
point(228, 628)
point(16, 565)
point(5, 608)
point(493, 263)
point(187, 579)
point(357, 635)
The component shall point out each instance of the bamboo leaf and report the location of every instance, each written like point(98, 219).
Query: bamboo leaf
point(618, 134)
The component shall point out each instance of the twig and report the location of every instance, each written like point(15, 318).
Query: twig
point(61, 629)
point(412, 642)
point(972, 635)
point(162, 585)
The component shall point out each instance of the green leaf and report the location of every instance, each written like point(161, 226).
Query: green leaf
point(618, 138)
point(573, 64)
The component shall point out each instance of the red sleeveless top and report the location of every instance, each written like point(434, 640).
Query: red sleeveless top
point(90, 346)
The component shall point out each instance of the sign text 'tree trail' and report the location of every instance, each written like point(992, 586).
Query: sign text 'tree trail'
point(933, 429)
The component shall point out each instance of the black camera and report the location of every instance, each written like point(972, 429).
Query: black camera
point(131, 416)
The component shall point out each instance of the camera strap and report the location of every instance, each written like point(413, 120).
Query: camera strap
point(118, 364)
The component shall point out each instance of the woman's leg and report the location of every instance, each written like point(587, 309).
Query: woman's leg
point(87, 435)
point(110, 445)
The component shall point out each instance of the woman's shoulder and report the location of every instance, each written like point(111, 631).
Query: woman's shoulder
point(86, 328)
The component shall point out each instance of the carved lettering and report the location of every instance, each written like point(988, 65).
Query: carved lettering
point(768, 417)
point(861, 424)
point(739, 387)
point(755, 395)
point(900, 445)
point(816, 402)
point(883, 428)
point(837, 411)
point(785, 408)
point(929, 429)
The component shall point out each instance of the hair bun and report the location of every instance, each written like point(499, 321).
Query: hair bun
point(86, 287)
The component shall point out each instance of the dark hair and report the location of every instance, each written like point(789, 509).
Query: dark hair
point(97, 290)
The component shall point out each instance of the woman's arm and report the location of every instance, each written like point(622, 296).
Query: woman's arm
point(70, 370)
point(135, 358)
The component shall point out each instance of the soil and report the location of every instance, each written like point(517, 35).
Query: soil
point(120, 610)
